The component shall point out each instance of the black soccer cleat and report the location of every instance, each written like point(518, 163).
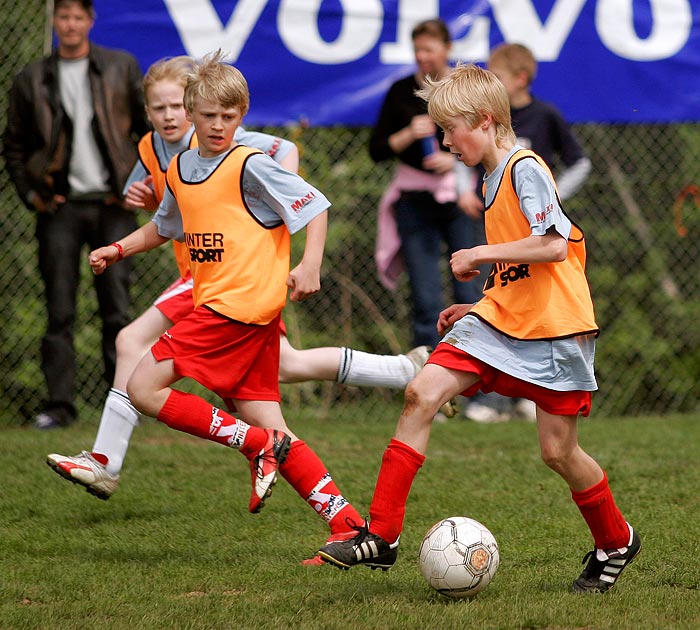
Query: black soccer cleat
point(604, 567)
point(365, 548)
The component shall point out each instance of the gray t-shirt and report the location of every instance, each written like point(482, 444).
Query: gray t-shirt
point(87, 172)
point(277, 148)
point(560, 364)
point(272, 194)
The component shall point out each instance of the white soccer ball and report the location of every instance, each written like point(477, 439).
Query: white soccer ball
point(458, 557)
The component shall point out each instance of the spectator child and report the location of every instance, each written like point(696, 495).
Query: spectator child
point(539, 125)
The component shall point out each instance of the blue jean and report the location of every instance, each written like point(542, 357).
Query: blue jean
point(430, 232)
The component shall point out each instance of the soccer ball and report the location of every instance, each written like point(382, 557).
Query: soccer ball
point(458, 557)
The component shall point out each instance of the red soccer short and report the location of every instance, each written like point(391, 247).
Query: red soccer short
point(493, 380)
point(176, 301)
point(232, 359)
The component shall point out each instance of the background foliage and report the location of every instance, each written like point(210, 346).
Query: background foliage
point(644, 275)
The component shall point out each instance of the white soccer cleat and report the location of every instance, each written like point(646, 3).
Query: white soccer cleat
point(85, 470)
point(418, 356)
point(264, 466)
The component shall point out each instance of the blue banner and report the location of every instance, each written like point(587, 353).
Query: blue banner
point(331, 61)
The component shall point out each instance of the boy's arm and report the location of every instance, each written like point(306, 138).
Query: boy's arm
point(291, 160)
point(141, 240)
point(571, 178)
point(305, 279)
point(140, 194)
point(550, 247)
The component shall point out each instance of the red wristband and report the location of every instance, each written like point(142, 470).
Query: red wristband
point(120, 250)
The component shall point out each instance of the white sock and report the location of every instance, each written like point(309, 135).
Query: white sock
point(376, 370)
point(119, 417)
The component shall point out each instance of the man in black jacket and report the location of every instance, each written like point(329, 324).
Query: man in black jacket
point(73, 121)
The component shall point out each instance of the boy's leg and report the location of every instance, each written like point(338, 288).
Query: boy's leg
point(376, 546)
point(149, 390)
point(98, 470)
point(119, 416)
point(616, 543)
point(348, 366)
point(306, 473)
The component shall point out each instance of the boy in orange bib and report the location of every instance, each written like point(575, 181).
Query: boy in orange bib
point(234, 208)
point(531, 336)
point(99, 469)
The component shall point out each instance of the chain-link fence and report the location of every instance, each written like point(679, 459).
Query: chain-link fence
point(642, 243)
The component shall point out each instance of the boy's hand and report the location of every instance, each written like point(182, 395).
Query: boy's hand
point(141, 195)
point(464, 265)
point(102, 258)
point(440, 162)
point(450, 315)
point(470, 203)
point(303, 282)
point(422, 126)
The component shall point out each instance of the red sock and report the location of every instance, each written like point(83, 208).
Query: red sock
point(400, 465)
point(306, 473)
point(604, 519)
point(191, 414)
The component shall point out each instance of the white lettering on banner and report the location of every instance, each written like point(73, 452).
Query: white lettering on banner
point(474, 46)
point(297, 23)
point(409, 13)
point(671, 23)
point(201, 30)
point(520, 23)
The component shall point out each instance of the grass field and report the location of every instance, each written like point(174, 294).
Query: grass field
point(175, 548)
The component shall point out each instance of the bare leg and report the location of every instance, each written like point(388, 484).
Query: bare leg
point(263, 413)
point(134, 340)
point(560, 450)
point(405, 453)
point(348, 366)
point(119, 417)
point(433, 386)
point(149, 384)
point(297, 366)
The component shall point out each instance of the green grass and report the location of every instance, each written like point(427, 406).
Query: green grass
point(175, 548)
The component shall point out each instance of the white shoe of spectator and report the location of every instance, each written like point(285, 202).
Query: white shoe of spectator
point(477, 412)
point(525, 410)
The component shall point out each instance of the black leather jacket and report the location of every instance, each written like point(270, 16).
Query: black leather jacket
point(36, 142)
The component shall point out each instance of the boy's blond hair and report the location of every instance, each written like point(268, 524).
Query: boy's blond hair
point(214, 80)
point(515, 58)
point(470, 92)
point(173, 69)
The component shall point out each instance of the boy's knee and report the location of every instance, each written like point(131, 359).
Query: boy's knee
point(137, 395)
point(122, 340)
point(554, 456)
point(416, 396)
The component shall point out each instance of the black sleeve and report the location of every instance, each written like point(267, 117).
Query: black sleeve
point(15, 137)
point(385, 126)
point(400, 106)
point(140, 125)
point(564, 141)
